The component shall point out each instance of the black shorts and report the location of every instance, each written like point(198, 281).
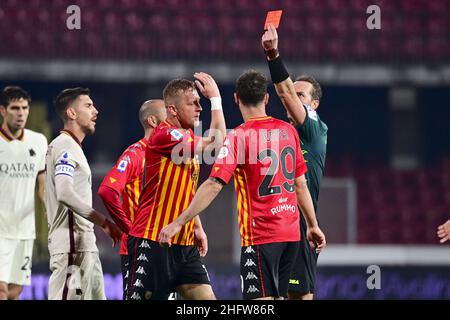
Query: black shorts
point(155, 272)
point(303, 277)
point(265, 269)
point(125, 273)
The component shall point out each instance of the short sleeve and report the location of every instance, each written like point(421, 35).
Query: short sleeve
point(300, 166)
point(44, 146)
point(227, 157)
point(311, 127)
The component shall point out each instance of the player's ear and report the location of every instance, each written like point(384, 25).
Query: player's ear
point(266, 99)
point(172, 110)
point(71, 114)
point(152, 121)
point(315, 104)
point(236, 98)
point(2, 110)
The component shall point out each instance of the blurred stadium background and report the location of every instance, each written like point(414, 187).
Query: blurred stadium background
point(386, 103)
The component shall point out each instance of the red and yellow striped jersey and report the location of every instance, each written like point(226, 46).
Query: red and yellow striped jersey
point(264, 156)
point(126, 178)
point(170, 183)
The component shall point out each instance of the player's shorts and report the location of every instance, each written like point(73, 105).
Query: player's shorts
point(76, 276)
point(303, 277)
point(265, 269)
point(155, 272)
point(15, 261)
point(125, 273)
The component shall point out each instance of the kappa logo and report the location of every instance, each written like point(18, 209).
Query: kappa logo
point(249, 250)
point(138, 284)
point(144, 244)
point(141, 270)
point(251, 276)
point(126, 275)
point(252, 289)
point(142, 257)
point(249, 263)
point(136, 296)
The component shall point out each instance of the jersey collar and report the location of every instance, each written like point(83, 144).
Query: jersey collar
point(259, 118)
point(8, 137)
point(70, 133)
point(143, 143)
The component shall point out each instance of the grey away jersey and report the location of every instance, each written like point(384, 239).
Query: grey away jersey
point(68, 231)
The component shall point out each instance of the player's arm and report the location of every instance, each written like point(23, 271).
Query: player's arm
point(314, 234)
point(110, 192)
point(280, 77)
point(66, 194)
point(201, 240)
point(205, 194)
point(208, 87)
point(111, 201)
point(65, 167)
point(40, 182)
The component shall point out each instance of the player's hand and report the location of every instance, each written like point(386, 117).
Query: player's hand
point(167, 233)
point(201, 241)
point(443, 232)
point(207, 85)
point(112, 230)
point(269, 39)
point(316, 238)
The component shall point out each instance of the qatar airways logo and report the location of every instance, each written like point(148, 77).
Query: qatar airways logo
point(18, 170)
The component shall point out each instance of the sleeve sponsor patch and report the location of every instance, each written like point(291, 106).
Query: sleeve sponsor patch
point(122, 165)
point(65, 158)
point(177, 135)
point(223, 153)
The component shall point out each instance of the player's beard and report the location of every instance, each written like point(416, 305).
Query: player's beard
point(89, 130)
point(13, 127)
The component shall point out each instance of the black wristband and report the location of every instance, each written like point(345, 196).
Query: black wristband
point(277, 69)
point(272, 53)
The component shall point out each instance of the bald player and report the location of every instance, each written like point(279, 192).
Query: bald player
point(124, 180)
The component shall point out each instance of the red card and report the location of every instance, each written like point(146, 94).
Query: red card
point(273, 18)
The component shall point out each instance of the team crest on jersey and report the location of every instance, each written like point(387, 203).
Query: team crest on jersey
point(177, 135)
